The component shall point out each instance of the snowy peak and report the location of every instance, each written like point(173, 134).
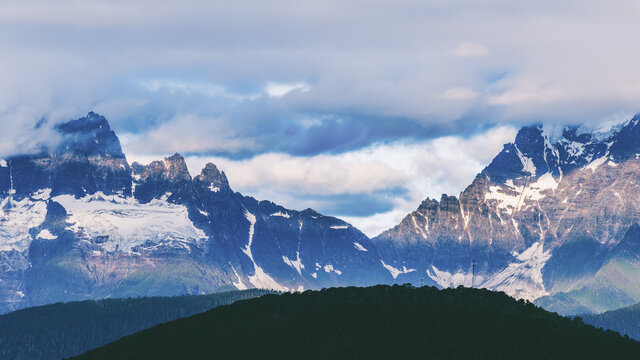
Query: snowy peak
point(531, 154)
point(79, 223)
point(579, 146)
point(626, 142)
point(170, 168)
point(88, 159)
point(548, 216)
point(166, 179)
point(90, 134)
point(216, 179)
point(176, 167)
point(535, 153)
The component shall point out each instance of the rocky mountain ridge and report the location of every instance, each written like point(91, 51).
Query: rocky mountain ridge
point(79, 222)
point(550, 220)
point(540, 222)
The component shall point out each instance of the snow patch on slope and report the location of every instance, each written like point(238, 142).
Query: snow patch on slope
point(126, 223)
point(329, 268)
point(527, 162)
point(359, 247)
point(281, 214)
point(259, 279)
point(597, 162)
point(16, 218)
point(239, 285)
point(575, 149)
point(445, 279)
point(395, 272)
point(510, 196)
point(522, 279)
point(504, 199)
point(46, 234)
point(42, 194)
point(296, 264)
point(337, 227)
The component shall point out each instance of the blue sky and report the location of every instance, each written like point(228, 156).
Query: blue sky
point(359, 109)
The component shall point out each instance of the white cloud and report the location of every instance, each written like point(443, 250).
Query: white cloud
point(348, 173)
point(552, 61)
point(376, 224)
point(19, 132)
point(280, 89)
point(187, 134)
point(526, 91)
point(70, 54)
point(459, 93)
point(465, 50)
point(425, 169)
point(189, 87)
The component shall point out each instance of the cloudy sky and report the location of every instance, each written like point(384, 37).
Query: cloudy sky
point(358, 109)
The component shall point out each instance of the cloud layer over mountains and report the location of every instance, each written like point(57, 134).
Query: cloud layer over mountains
point(279, 92)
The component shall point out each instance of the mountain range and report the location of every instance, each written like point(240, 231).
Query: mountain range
point(552, 219)
point(79, 222)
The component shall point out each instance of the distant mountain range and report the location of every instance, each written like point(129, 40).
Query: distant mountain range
point(626, 321)
point(550, 220)
point(78, 222)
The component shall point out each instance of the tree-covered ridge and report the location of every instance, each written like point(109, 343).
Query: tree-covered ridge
point(67, 329)
point(380, 322)
point(626, 321)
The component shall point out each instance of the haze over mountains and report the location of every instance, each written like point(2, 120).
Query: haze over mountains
point(551, 220)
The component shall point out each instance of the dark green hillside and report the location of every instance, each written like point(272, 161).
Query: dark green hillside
point(62, 330)
point(626, 321)
point(381, 322)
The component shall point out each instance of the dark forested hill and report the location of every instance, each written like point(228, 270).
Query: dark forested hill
point(381, 322)
point(626, 321)
point(62, 330)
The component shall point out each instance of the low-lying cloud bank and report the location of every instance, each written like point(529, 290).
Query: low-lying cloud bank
point(336, 96)
point(239, 80)
point(372, 187)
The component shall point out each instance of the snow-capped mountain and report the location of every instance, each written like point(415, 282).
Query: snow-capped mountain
point(550, 220)
point(546, 220)
point(79, 222)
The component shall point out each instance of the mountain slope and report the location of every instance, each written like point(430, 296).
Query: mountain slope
point(383, 322)
point(543, 219)
point(78, 222)
point(62, 330)
point(614, 285)
point(626, 321)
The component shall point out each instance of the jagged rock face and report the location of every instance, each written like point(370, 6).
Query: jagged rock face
point(77, 222)
point(542, 219)
point(169, 179)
